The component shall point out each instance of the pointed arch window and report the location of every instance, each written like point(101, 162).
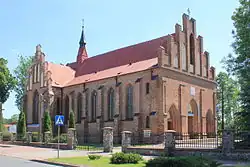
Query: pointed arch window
point(58, 108)
point(79, 108)
point(66, 109)
point(35, 107)
point(93, 105)
point(111, 104)
point(191, 41)
point(147, 122)
point(129, 103)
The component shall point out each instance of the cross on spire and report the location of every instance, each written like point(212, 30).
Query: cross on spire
point(188, 10)
point(82, 40)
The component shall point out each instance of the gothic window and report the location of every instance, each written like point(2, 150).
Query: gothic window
point(176, 61)
point(66, 109)
point(72, 103)
point(147, 122)
point(42, 81)
point(38, 73)
point(35, 107)
point(87, 105)
point(93, 105)
point(129, 107)
point(58, 106)
point(34, 73)
point(191, 41)
point(164, 97)
point(147, 88)
point(111, 104)
point(183, 56)
point(79, 107)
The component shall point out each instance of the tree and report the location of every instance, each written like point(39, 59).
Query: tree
point(72, 120)
point(239, 65)
point(228, 100)
point(13, 119)
point(21, 125)
point(7, 84)
point(47, 122)
point(21, 74)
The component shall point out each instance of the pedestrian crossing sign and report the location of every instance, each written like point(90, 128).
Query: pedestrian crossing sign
point(59, 120)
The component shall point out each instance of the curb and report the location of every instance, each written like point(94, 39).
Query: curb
point(57, 163)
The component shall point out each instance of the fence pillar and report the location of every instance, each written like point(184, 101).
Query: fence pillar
point(47, 137)
point(71, 143)
point(29, 137)
point(169, 137)
point(227, 141)
point(107, 139)
point(126, 140)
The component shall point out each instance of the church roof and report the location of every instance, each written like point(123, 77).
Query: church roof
point(60, 74)
point(125, 60)
point(112, 72)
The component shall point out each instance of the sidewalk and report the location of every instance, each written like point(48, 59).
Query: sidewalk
point(34, 153)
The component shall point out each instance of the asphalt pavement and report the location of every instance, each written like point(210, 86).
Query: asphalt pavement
point(6, 161)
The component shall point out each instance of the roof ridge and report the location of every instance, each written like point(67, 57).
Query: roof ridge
point(129, 46)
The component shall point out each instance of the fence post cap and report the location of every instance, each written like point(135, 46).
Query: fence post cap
point(126, 132)
point(170, 131)
point(107, 128)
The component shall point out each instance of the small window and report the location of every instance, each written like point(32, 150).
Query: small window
point(147, 88)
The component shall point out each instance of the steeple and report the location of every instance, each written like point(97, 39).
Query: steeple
point(82, 52)
point(82, 39)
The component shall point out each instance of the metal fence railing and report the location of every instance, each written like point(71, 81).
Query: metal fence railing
point(242, 139)
point(197, 141)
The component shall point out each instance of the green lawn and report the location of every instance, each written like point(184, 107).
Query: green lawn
point(102, 162)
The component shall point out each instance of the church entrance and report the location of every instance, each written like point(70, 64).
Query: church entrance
point(173, 122)
point(193, 126)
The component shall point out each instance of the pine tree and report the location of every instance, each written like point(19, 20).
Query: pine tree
point(72, 120)
point(21, 125)
point(47, 122)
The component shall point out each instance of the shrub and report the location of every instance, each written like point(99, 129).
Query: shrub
point(94, 157)
point(72, 120)
point(122, 158)
point(35, 137)
point(47, 122)
point(21, 126)
point(211, 135)
point(62, 139)
point(7, 136)
point(194, 135)
point(182, 162)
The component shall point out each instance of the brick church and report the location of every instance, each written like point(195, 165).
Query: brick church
point(161, 84)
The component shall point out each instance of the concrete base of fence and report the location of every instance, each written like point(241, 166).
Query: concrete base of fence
point(62, 146)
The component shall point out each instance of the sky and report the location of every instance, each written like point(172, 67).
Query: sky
point(109, 25)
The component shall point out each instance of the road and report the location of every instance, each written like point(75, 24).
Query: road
point(16, 162)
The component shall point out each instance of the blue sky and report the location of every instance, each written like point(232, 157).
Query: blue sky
point(111, 24)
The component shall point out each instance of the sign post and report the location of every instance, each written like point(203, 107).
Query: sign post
point(59, 121)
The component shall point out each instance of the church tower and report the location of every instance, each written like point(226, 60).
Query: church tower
point(82, 52)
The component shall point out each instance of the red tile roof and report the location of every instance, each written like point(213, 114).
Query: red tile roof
point(131, 54)
point(111, 72)
point(60, 74)
point(142, 56)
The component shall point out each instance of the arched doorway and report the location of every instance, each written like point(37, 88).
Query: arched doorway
point(192, 117)
point(174, 119)
point(210, 129)
point(35, 108)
